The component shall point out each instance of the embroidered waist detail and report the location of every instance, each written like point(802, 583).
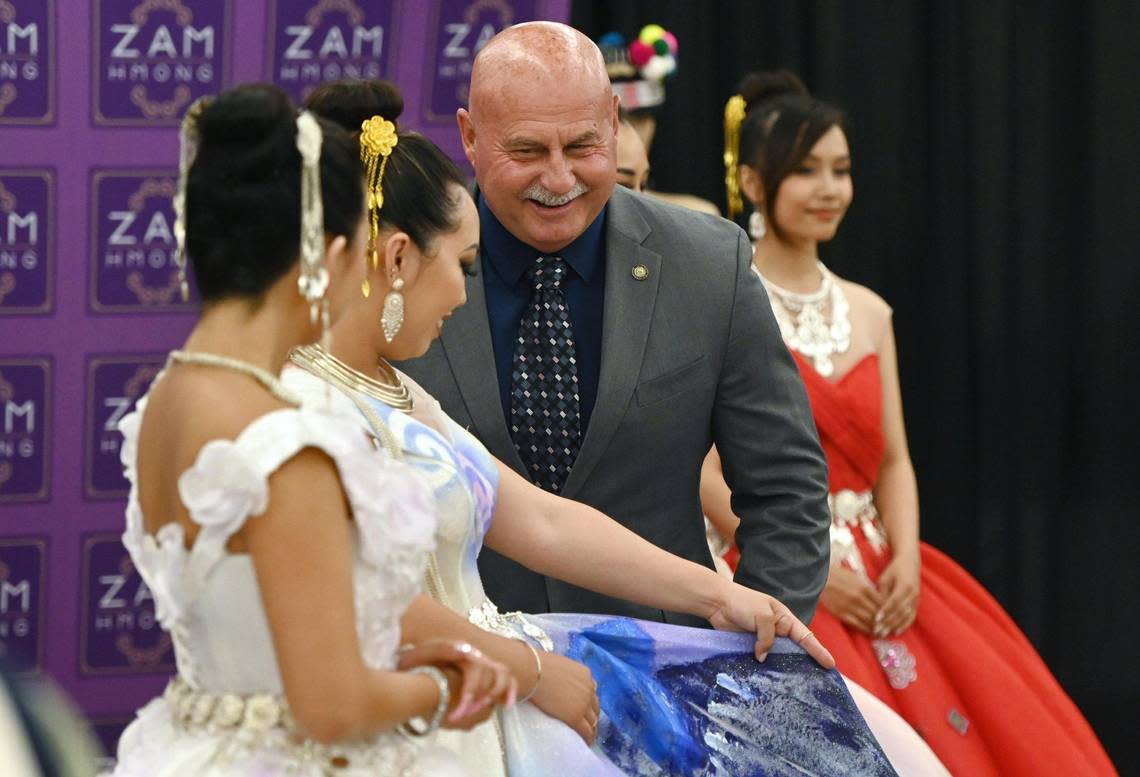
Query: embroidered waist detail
point(248, 722)
point(849, 510)
point(508, 624)
point(214, 711)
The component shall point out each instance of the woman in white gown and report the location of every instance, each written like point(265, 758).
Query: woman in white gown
point(281, 545)
point(674, 700)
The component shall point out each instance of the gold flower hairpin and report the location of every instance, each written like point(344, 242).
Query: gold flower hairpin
point(377, 140)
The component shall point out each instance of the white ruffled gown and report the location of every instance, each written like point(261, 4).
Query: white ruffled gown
point(225, 715)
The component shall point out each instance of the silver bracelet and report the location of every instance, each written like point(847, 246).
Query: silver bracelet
point(538, 677)
point(440, 708)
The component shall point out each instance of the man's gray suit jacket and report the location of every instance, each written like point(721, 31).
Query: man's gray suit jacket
point(691, 356)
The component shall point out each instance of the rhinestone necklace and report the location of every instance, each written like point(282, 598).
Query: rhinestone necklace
point(809, 332)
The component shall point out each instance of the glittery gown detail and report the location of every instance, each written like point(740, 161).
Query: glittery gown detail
point(963, 675)
point(674, 700)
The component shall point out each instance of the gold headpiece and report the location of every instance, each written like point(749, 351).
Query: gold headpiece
point(734, 112)
point(377, 139)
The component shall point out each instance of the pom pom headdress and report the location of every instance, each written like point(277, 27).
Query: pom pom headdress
point(637, 70)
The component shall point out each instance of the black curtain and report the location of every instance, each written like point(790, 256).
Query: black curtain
point(996, 156)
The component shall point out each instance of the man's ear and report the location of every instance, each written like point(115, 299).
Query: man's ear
point(466, 133)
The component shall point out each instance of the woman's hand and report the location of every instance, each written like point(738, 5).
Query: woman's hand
point(851, 598)
point(746, 610)
point(899, 588)
point(568, 693)
point(477, 682)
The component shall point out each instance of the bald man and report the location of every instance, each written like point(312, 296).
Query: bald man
point(609, 340)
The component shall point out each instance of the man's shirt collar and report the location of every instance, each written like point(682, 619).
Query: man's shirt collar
point(510, 257)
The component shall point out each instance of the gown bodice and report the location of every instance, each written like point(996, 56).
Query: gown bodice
point(848, 414)
point(458, 470)
point(208, 598)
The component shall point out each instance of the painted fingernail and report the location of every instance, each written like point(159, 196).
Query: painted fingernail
point(463, 709)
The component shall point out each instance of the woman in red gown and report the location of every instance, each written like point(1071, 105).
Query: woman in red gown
point(950, 660)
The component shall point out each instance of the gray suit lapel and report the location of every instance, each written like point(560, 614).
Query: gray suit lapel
point(625, 329)
point(466, 342)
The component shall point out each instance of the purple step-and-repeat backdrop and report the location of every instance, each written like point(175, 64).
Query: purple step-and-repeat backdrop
point(91, 93)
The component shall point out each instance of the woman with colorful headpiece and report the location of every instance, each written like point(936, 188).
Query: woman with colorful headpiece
point(658, 707)
point(950, 661)
point(281, 545)
point(638, 70)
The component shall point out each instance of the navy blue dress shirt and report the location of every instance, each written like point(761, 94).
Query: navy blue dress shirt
point(505, 262)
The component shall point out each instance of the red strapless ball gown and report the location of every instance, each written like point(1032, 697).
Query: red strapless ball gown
point(963, 675)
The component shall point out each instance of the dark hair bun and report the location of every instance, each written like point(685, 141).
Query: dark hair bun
point(761, 87)
point(248, 133)
point(419, 187)
point(243, 192)
point(247, 114)
point(350, 103)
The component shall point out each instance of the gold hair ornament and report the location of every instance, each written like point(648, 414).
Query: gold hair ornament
point(377, 140)
point(734, 111)
point(188, 150)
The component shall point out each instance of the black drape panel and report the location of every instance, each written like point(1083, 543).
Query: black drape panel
point(997, 167)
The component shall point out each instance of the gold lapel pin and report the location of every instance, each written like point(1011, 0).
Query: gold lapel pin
point(639, 272)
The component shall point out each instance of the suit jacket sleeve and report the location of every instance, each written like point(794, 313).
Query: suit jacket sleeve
point(763, 429)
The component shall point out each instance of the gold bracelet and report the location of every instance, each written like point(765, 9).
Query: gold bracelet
point(538, 677)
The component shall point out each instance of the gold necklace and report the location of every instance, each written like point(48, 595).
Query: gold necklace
point(323, 364)
point(271, 382)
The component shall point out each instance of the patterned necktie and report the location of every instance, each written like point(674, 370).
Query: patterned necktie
point(544, 380)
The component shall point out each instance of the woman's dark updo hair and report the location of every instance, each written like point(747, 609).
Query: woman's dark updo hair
point(781, 125)
point(419, 181)
point(243, 195)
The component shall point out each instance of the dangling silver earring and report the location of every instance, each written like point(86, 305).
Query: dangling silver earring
point(393, 316)
point(756, 227)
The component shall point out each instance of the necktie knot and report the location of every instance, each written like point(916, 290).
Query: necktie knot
point(546, 273)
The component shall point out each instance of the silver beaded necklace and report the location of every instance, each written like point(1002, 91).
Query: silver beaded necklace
point(810, 332)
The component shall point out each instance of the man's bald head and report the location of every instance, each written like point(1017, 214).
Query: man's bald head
point(540, 132)
point(534, 53)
